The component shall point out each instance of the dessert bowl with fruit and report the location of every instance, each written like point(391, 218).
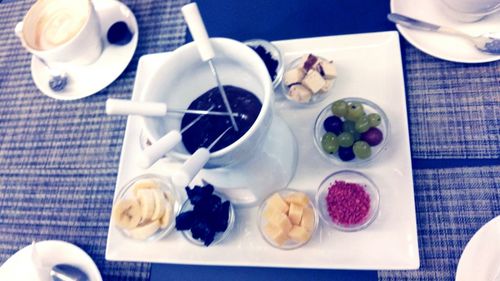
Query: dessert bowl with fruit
point(309, 79)
point(287, 219)
point(145, 208)
point(351, 131)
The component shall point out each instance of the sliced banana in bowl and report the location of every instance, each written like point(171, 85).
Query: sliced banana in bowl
point(145, 208)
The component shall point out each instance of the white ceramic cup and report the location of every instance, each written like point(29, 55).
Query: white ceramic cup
point(470, 10)
point(184, 76)
point(62, 31)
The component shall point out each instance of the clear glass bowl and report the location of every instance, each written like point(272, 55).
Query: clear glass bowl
point(348, 176)
point(316, 98)
point(275, 53)
point(369, 107)
point(290, 244)
point(219, 236)
point(166, 187)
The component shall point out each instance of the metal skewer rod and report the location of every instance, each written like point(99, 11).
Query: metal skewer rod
point(128, 107)
point(195, 163)
point(200, 36)
point(159, 148)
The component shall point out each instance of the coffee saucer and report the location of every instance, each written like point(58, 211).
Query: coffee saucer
point(20, 266)
point(447, 47)
point(86, 80)
point(480, 259)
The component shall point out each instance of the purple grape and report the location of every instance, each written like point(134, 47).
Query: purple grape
point(373, 136)
point(333, 124)
point(346, 153)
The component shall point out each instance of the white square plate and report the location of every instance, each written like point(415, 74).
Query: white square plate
point(369, 66)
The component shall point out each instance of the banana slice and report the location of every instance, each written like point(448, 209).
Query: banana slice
point(144, 231)
point(159, 204)
point(126, 213)
point(146, 198)
point(144, 184)
point(167, 216)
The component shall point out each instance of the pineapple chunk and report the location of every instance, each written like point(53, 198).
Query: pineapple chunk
point(295, 213)
point(275, 234)
point(278, 203)
point(281, 220)
point(299, 198)
point(307, 220)
point(269, 212)
point(299, 234)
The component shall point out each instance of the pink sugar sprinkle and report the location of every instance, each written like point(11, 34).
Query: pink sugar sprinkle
point(348, 203)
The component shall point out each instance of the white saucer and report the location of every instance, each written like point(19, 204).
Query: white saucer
point(87, 80)
point(447, 47)
point(480, 260)
point(52, 252)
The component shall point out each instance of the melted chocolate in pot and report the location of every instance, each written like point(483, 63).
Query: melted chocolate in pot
point(209, 127)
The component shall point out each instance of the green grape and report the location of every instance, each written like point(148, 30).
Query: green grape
point(354, 111)
point(329, 143)
point(374, 119)
point(339, 108)
point(362, 149)
point(362, 124)
point(348, 127)
point(345, 139)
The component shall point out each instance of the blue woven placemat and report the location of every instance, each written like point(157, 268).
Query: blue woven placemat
point(452, 204)
point(454, 108)
point(58, 160)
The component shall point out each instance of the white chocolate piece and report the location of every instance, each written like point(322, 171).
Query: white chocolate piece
point(313, 81)
point(328, 85)
point(300, 93)
point(295, 213)
point(299, 234)
point(298, 198)
point(307, 220)
point(294, 76)
point(275, 234)
point(329, 70)
point(277, 202)
point(282, 221)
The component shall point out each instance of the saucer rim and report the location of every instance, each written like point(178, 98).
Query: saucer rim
point(407, 34)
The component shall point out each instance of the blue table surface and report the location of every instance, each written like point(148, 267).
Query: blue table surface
point(278, 20)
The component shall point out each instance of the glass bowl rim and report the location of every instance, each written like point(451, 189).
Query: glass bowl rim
point(165, 185)
point(355, 162)
point(220, 236)
point(260, 219)
point(284, 88)
point(269, 46)
point(372, 188)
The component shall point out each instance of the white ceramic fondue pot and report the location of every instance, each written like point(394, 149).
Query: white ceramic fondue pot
point(184, 76)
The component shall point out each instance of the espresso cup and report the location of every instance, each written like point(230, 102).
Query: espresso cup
point(470, 10)
point(62, 31)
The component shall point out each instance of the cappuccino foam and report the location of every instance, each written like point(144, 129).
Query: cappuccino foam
point(58, 23)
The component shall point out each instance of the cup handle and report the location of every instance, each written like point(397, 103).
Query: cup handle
point(19, 30)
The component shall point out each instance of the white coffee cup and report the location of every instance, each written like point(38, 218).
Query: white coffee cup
point(62, 31)
point(470, 10)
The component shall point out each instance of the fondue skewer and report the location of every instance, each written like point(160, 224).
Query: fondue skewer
point(194, 163)
point(128, 107)
point(200, 36)
point(158, 149)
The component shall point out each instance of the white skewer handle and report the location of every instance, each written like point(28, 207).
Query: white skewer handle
point(191, 167)
point(128, 107)
point(157, 150)
point(198, 30)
